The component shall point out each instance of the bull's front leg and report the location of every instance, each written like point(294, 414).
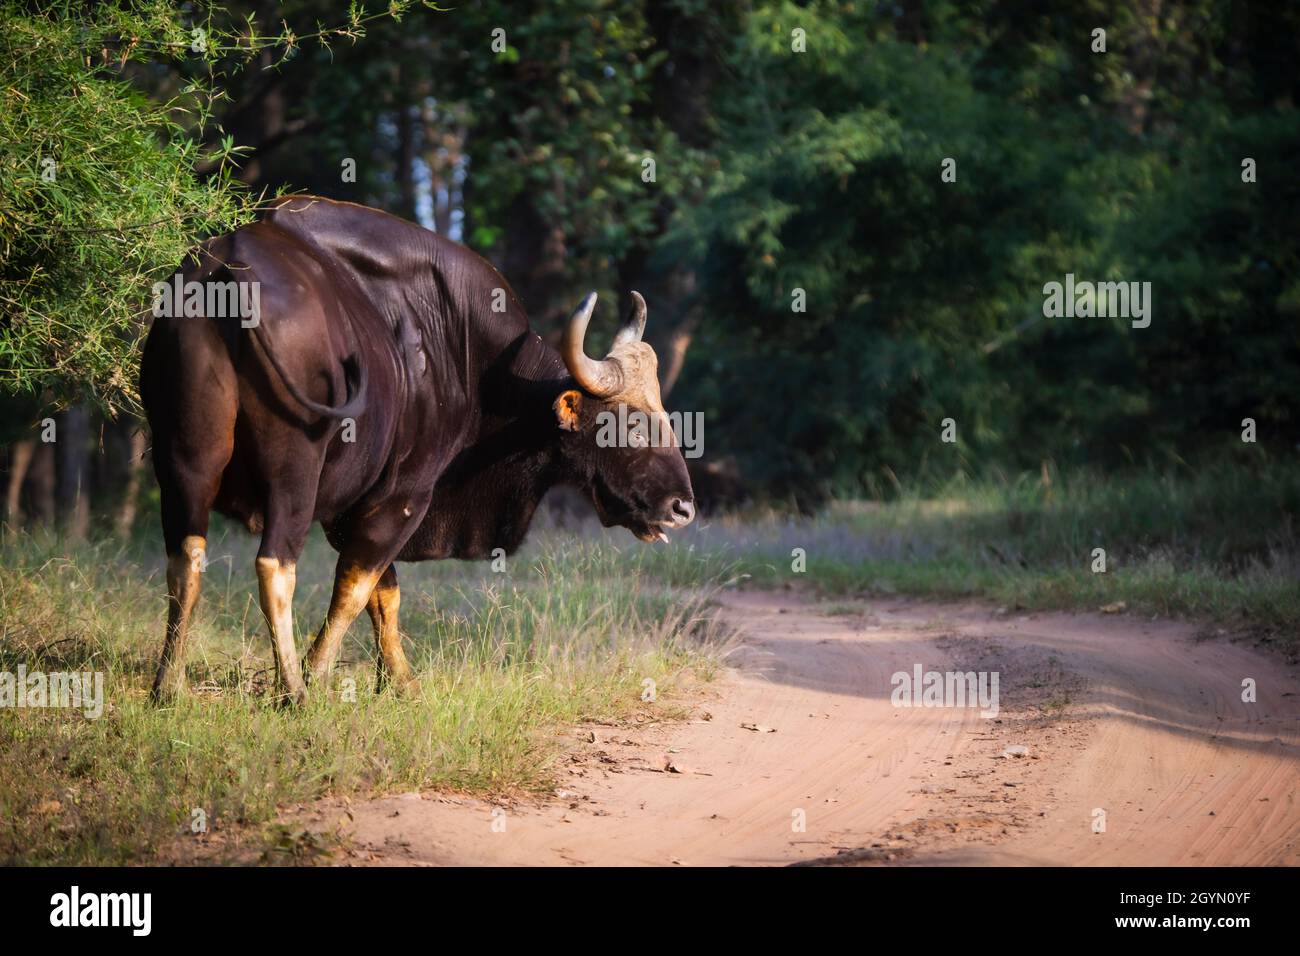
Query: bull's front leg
point(353, 584)
point(390, 661)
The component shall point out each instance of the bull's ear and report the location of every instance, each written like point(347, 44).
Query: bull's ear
point(568, 408)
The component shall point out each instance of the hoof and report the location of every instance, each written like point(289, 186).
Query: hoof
point(168, 690)
point(315, 674)
point(291, 698)
point(165, 698)
point(405, 687)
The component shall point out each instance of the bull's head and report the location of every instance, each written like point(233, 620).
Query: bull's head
point(616, 424)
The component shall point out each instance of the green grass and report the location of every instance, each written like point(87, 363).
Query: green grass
point(1219, 544)
point(506, 662)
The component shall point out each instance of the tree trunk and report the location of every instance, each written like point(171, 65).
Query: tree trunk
point(534, 261)
point(1144, 53)
point(124, 448)
point(405, 172)
point(682, 93)
point(72, 459)
point(20, 460)
point(672, 353)
point(40, 484)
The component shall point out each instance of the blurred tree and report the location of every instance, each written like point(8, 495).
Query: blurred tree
point(924, 297)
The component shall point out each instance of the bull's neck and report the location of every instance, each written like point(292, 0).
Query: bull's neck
point(489, 495)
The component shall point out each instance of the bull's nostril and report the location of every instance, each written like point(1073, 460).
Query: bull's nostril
point(683, 511)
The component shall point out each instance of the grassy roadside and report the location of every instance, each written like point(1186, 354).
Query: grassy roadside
point(1217, 544)
point(567, 633)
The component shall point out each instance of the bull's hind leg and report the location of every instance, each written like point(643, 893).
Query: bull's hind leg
point(189, 474)
point(390, 661)
point(183, 570)
point(288, 520)
point(275, 581)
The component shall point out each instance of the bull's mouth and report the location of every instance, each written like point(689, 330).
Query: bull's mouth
point(636, 521)
point(650, 532)
point(657, 530)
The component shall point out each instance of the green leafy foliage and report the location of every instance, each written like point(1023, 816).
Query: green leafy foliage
point(105, 181)
point(925, 297)
point(97, 197)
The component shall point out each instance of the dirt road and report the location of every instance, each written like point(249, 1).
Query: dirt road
point(1117, 741)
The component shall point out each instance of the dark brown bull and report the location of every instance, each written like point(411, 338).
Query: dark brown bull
point(391, 389)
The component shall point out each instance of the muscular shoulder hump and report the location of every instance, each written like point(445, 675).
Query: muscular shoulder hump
point(382, 248)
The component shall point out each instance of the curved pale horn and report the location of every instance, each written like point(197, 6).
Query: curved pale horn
point(634, 327)
point(602, 378)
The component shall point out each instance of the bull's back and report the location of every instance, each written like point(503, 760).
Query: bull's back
point(335, 280)
point(221, 413)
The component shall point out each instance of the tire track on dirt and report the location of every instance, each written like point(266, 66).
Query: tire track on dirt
point(1136, 719)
